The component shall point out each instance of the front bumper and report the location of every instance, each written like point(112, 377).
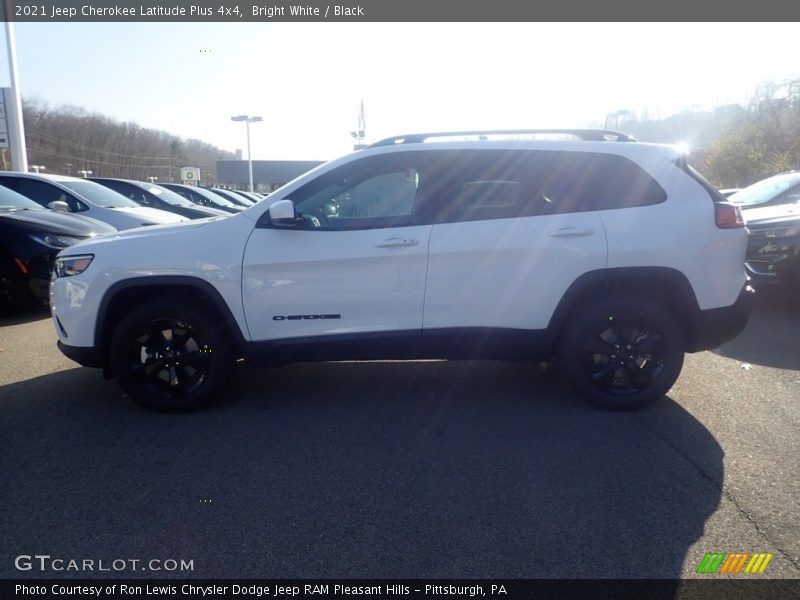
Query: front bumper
point(84, 356)
point(773, 260)
point(716, 326)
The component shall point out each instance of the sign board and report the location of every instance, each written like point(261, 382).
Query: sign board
point(4, 137)
point(190, 174)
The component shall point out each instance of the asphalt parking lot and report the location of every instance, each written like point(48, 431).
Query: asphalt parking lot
point(416, 469)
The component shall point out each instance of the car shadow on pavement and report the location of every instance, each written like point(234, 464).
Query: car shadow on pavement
point(35, 312)
point(371, 470)
point(772, 335)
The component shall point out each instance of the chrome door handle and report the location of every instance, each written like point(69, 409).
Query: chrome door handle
point(570, 232)
point(396, 243)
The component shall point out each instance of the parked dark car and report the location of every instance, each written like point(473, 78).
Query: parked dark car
point(203, 197)
point(773, 252)
point(156, 196)
point(778, 189)
point(232, 196)
point(30, 238)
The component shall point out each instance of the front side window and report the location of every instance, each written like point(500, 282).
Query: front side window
point(99, 195)
point(375, 192)
point(45, 193)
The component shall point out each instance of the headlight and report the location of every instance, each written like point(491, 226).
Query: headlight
point(67, 266)
point(53, 240)
point(776, 232)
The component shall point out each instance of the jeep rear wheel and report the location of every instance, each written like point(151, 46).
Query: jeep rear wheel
point(622, 353)
point(171, 356)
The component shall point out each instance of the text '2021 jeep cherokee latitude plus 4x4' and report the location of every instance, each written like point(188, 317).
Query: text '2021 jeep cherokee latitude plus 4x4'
point(611, 254)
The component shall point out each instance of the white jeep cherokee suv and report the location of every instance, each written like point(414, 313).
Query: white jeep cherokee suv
point(613, 255)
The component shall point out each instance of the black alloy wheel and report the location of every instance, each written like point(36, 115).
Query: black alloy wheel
point(171, 356)
point(622, 353)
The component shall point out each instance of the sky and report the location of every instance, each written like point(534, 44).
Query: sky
point(306, 80)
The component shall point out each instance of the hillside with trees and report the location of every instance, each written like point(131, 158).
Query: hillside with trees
point(763, 142)
point(68, 139)
point(697, 128)
point(733, 145)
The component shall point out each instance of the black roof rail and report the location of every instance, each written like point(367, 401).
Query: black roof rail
point(587, 135)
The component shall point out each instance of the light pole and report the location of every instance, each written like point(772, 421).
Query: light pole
point(248, 119)
point(69, 169)
point(19, 153)
point(38, 168)
point(152, 179)
point(85, 173)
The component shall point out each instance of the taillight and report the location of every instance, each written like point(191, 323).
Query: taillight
point(728, 215)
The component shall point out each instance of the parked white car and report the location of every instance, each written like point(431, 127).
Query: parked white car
point(80, 196)
point(614, 256)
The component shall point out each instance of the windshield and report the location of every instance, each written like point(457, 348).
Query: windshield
point(11, 200)
point(765, 190)
point(99, 195)
point(168, 196)
point(215, 198)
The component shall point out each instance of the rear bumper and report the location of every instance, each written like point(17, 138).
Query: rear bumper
point(84, 356)
point(716, 326)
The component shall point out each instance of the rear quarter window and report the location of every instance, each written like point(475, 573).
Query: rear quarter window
point(496, 184)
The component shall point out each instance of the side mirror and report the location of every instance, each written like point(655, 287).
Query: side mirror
point(281, 213)
point(59, 205)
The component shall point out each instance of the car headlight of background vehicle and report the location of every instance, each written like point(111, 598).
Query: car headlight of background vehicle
point(67, 266)
point(776, 232)
point(53, 240)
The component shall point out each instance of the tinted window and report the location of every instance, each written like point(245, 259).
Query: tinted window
point(44, 193)
point(98, 194)
point(201, 196)
point(126, 189)
point(11, 200)
point(379, 191)
point(497, 184)
point(168, 196)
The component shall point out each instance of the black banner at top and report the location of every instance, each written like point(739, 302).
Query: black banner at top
point(396, 10)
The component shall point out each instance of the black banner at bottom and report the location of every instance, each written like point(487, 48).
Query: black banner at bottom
point(409, 589)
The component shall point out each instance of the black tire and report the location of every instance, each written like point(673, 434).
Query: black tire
point(622, 353)
point(171, 355)
point(14, 292)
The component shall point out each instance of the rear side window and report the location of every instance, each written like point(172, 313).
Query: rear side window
point(496, 184)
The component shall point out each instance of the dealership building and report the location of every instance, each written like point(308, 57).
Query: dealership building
point(268, 175)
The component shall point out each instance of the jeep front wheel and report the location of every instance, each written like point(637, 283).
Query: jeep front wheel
point(170, 355)
point(622, 353)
